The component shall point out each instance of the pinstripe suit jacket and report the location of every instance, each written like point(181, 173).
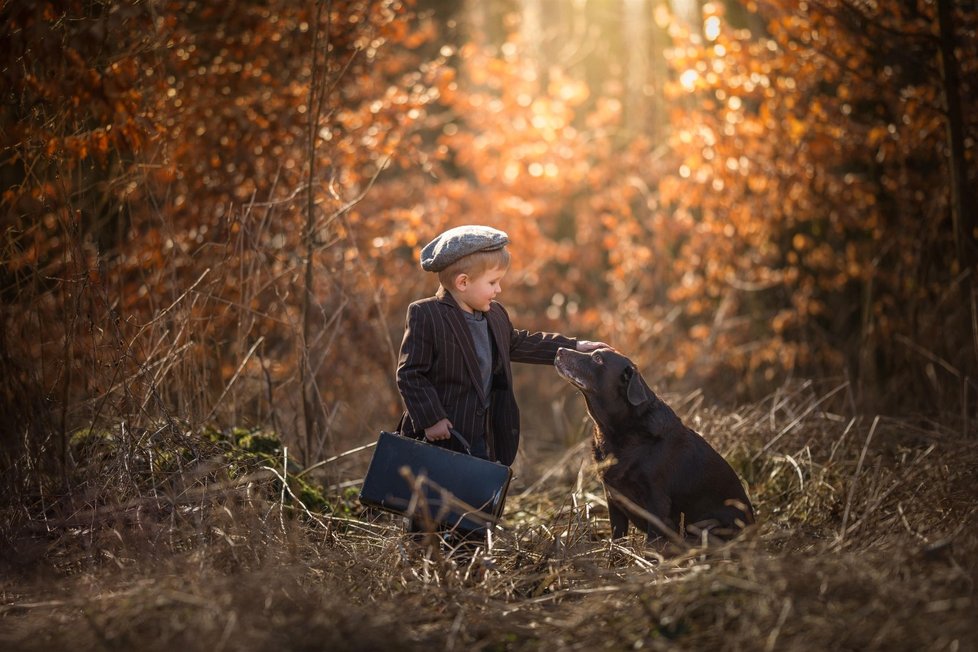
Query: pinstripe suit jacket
point(438, 373)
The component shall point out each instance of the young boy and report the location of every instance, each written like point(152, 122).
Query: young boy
point(454, 366)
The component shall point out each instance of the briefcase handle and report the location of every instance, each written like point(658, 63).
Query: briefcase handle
point(462, 440)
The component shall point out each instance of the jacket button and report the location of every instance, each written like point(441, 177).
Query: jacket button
point(479, 412)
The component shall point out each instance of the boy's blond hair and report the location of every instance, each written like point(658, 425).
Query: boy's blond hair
point(474, 264)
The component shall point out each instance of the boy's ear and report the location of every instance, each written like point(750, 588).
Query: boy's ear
point(461, 280)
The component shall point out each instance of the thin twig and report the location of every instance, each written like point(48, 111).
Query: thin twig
point(317, 465)
point(855, 480)
point(235, 377)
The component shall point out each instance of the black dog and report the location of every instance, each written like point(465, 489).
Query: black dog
point(659, 466)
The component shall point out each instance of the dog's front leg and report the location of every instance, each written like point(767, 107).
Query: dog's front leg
point(619, 519)
point(661, 525)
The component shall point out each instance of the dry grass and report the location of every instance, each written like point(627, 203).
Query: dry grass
point(866, 541)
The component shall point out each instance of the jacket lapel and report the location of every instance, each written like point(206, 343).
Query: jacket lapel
point(456, 320)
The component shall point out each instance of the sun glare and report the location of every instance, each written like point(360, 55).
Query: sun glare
point(711, 27)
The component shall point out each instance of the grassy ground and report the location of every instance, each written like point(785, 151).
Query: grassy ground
point(865, 541)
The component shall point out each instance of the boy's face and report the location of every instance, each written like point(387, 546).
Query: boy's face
point(476, 292)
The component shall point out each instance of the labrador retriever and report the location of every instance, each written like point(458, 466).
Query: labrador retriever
point(658, 474)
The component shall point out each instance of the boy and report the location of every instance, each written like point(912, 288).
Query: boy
point(454, 366)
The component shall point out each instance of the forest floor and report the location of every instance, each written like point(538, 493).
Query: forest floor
point(866, 540)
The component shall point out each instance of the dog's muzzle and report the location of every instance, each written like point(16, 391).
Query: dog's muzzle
point(565, 368)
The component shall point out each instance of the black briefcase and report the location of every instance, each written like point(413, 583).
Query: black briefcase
point(452, 490)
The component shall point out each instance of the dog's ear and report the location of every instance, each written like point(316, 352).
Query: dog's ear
point(636, 391)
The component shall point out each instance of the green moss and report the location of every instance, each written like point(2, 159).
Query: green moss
point(84, 437)
point(261, 442)
point(311, 496)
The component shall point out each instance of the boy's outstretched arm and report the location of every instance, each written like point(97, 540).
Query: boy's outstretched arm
point(541, 348)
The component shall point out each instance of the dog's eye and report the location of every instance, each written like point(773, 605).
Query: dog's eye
point(627, 373)
point(598, 359)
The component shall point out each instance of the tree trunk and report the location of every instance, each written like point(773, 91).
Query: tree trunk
point(312, 422)
point(963, 204)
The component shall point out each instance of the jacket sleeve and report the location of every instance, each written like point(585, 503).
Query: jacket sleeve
point(414, 366)
point(536, 348)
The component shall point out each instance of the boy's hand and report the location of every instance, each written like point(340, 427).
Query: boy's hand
point(584, 346)
point(438, 431)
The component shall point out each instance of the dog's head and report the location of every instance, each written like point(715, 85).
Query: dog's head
point(610, 382)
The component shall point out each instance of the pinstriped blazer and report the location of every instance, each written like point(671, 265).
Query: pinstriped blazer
point(438, 373)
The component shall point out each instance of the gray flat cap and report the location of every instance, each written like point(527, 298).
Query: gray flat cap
point(458, 242)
